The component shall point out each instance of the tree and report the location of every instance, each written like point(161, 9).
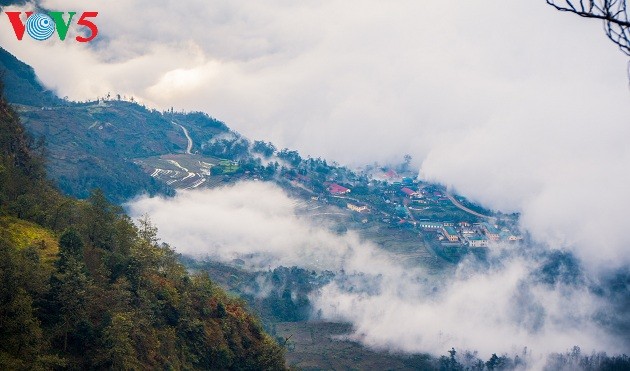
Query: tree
point(221, 312)
point(99, 221)
point(265, 149)
point(147, 231)
point(70, 288)
point(70, 245)
point(612, 12)
point(120, 349)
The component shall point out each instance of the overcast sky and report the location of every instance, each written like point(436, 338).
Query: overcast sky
point(356, 81)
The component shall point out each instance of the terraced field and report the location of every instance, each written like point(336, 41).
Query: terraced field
point(181, 171)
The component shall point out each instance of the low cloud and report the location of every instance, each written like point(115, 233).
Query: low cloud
point(510, 103)
point(513, 104)
point(500, 307)
point(499, 311)
point(258, 222)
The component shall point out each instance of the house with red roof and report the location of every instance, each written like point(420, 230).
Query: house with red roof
point(410, 193)
point(336, 189)
point(391, 174)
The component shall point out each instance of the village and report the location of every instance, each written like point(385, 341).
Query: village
point(390, 196)
point(384, 196)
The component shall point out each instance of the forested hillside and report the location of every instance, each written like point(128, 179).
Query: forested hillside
point(81, 287)
point(94, 144)
point(26, 89)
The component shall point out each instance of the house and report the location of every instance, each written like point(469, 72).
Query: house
point(468, 231)
point(430, 225)
point(477, 241)
point(388, 176)
point(507, 235)
point(336, 189)
point(450, 233)
point(358, 209)
point(391, 174)
point(490, 231)
point(410, 193)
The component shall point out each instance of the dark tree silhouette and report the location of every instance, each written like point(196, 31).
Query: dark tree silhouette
point(612, 12)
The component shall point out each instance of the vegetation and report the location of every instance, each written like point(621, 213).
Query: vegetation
point(94, 144)
point(200, 126)
point(613, 14)
point(26, 89)
point(82, 287)
point(286, 290)
point(571, 360)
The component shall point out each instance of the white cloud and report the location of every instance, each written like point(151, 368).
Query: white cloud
point(494, 312)
point(256, 221)
point(509, 102)
point(497, 309)
point(329, 77)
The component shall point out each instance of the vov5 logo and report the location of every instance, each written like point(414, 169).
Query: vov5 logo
point(40, 26)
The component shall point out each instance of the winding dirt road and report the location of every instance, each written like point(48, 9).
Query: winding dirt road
point(464, 208)
point(190, 141)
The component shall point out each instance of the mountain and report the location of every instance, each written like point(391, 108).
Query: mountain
point(101, 144)
point(12, 2)
point(84, 288)
point(22, 85)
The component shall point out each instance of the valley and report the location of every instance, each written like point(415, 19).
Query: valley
point(126, 149)
point(346, 185)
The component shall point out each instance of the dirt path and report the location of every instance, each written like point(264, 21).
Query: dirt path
point(464, 208)
point(190, 141)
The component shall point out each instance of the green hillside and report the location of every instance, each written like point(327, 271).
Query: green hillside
point(22, 84)
point(83, 288)
point(96, 144)
point(90, 146)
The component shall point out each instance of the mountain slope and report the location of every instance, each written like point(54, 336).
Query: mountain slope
point(83, 288)
point(96, 144)
point(22, 86)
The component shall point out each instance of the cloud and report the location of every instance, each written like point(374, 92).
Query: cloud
point(510, 103)
point(501, 307)
point(499, 311)
point(329, 77)
point(254, 221)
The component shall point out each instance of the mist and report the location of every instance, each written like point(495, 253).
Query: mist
point(512, 301)
point(509, 103)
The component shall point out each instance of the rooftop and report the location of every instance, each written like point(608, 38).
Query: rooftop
point(391, 174)
point(451, 231)
point(337, 189)
point(408, 191)
point(430, 224)
point(490, 228)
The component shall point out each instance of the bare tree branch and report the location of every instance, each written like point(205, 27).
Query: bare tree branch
point(612, 12)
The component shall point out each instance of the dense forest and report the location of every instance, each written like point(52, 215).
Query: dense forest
point(83, 287)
